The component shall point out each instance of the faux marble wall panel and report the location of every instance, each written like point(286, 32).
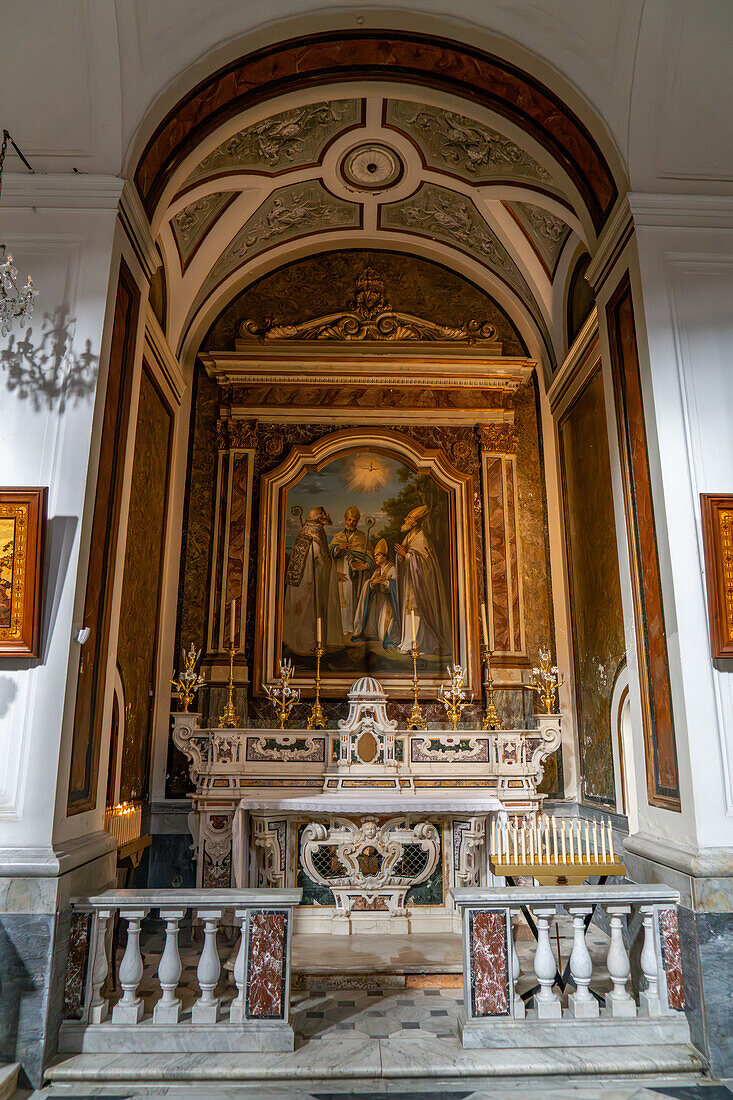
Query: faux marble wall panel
point(265, 989)
point(707, 963)
point(599, 648)
point(138, 631)
point(26, 949)
point(318, 285)
point(488, 963)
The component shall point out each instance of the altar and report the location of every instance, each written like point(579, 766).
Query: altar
point(375, 823)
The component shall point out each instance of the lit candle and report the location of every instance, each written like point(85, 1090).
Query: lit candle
point(414, 635)
point(554, 838)
point(514, 844)
point(595, 841)
point(483, 622)
point(603, 842)
point(524, 843)
point(318, 631)
point(587, 844)
point(232, 621)
point(493, 836)
point(611, 856)
point(562, 840)
point(547, 839)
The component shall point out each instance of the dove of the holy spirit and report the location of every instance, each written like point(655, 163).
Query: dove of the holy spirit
point(367, 473)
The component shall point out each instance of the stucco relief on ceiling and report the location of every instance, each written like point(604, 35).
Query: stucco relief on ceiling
point(191, 224)
point(547, 232)
point(464, 146)
point(290, 139)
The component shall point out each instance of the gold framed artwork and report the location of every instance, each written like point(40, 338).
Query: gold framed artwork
point(22, 522)
point(717, 529)
point(373, 535)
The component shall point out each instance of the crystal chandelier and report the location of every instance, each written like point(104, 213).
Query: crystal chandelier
point(15, 301)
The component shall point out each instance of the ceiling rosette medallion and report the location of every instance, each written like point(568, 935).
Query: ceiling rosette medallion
point(369, 316)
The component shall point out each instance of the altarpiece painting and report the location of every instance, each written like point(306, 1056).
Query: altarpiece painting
point(368, 537)
point(22, 519)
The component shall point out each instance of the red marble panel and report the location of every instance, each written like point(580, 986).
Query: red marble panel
point(488, 962)
point(661, 749)
point(511, 537)
point(672, 954)
point(76, 966)
point(266, 965)
point(497, 555)
point(235, 555)
point(421, 59)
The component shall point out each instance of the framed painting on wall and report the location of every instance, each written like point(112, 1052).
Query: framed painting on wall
point(373, 535)
point(717, 529)
point(22, 522)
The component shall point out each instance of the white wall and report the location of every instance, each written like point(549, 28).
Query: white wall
point(45, 439)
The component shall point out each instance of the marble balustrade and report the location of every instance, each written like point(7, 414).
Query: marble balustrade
point(258, 1019)
point(640, 916)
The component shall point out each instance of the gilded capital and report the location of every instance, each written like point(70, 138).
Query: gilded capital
point(498, 438)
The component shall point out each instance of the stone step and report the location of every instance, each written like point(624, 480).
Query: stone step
point(322, 1061)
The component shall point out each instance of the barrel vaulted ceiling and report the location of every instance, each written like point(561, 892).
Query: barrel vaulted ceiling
point(398, 167)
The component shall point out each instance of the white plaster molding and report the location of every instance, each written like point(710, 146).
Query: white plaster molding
point(61, 191)
point(571, 369)
point(651, 209)
point(615, 234)
point(157, 344)
point(691, 860)
point(137, 227)
point(55, 859)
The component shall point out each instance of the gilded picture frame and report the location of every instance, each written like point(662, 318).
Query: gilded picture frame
point(22, 528)
point(717, 529)
point(365, 599)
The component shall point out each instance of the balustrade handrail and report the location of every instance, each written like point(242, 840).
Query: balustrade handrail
point(190, 899)
point(516, 896)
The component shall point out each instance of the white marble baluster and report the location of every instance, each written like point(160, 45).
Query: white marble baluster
point(619, 1001)
point(237, 1010)
point(519, 1009)
point(206, 1008)
point(546, 1002)
point(98, 1006)
point(129, 1010)
point(582, 1003)
point(168, 1008)
point(650, 1003)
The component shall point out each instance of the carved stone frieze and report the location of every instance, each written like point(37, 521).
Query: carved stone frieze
point(498, 438)
point(547, 232)
point(190, 224)
point(439, 212)
point(234, 434)
point(366, 396)
point(285, 140)
point(462, 144)
point(369, 316)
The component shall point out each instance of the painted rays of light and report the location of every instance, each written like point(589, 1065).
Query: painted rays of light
point(367, 473)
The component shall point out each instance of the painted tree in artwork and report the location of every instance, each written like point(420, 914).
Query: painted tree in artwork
point(6, 579)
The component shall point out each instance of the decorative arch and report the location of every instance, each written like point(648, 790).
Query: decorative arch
point(452, 67)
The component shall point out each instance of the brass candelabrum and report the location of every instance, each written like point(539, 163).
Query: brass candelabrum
point(452, 694)
point(546, 680)
point(316, 718)
point(189, 681)
point(283, 697)
point(416, 721)
point(228, 720)
point(491, 720)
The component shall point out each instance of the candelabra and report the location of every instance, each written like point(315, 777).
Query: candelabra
point(452, 695)
point(416, 720)
point(15, 301)
point(189, 681)
point(555, 851)
point(283, 697)
point(491, 720)
point(546, 680)
point(317, 719)
point(228, 720)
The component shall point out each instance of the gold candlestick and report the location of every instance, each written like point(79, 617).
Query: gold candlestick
point(228, 720)
point(283, 697)
point(189, 681)
point(317, 719)
point(491, 720)
point(416, 720)
point(452, 694)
